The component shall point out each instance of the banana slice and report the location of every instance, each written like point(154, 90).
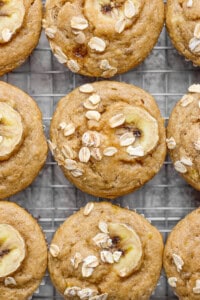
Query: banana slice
point(127, 241)
point(11, 130)
point(12, 14)
point(145, 125)
point(12, 250)
point(105, 14)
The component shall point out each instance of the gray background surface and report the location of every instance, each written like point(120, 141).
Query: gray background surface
point(51, 198)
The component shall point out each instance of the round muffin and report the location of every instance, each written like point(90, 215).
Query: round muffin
point(181, 257)
point(108, 138)
point(183, 136)
point(183, 25)
point(118, 255)
point(102, 37)
point(23, 253)
point(23, 147)
point(20, 27)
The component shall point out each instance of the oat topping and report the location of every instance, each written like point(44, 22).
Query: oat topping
point(59, 54)
point(88, 105)
point(127, 139)
point(51, 31)
point(186, 161)
point(86, 88)
point(77, 172)
point(95, 99)
point(76, 260)
point(87, 293)
point(72, 291)
point(194, 45)
point(135, 151)
point(102, 240)
point(62, 125)
point(129, 9)
point(70, 164)
point(179, 167)
point(80, 38)
point(120, 25)
point(189, 3)
point(117, 255)
point(54, 250)
point(197, 31)
point(110, 151)
point(84, 154)
point(109, 73)
point(93, 115)
point(10, 281)
point(105, 65)
point(103, 227)
point(117, 120)
point(96, 154)
point(171, 143)
point(88, 208)
point(196, 289)
point(79, 23)
point(73, 65)
point(186, 100)
point(67, 152)
point(195, 88)
point(172, 281)
point(91, 138)
point(91, 261)
point(107, 256)
point(69, 129)
point(52, 146)
point(178, 261)
point(97, 44)
point(87, 271)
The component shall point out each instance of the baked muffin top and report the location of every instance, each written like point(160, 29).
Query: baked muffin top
point(181, 257)
point(105, 252)
point(23, 147)
point(102, 37)
point(183, 136)
point(183, 24)
point(20, 27)
point(108, 137)
point(23, 252)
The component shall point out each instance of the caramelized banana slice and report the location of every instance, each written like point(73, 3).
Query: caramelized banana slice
point(128, 242)
point(11, 130)
point(11, 18)
point(12, 250)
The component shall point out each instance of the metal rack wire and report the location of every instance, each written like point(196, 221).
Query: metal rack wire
point(51, 198)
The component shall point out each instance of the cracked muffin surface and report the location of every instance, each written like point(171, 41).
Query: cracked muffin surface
point(108, 138)
point(183, 136)
point(183, 25)
point(102, 37)
point(115, 254)
point(23, 253)
point(23, 147)
point(181, 257)
point(20, 27)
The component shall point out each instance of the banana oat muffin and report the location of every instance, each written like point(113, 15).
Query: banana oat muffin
point(20, 27)
point(183, 25)
point(181, 257)
point(183, 136)
point(108, 137)
point(23, 147)
point(23, 253)
point(105, 252)
point(102, 37)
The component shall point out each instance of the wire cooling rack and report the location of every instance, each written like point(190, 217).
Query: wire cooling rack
point(51, 198)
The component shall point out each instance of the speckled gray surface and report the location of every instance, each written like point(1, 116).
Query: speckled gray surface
point(51, 198)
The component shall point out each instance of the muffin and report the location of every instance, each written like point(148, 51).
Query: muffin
point(181, 257)
point(183, 25)
point(20, 27)
point(22, 250)
point(108, 137)
point(23, 147)
point(183, 136)
point(102, 37)
point(115, 254)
